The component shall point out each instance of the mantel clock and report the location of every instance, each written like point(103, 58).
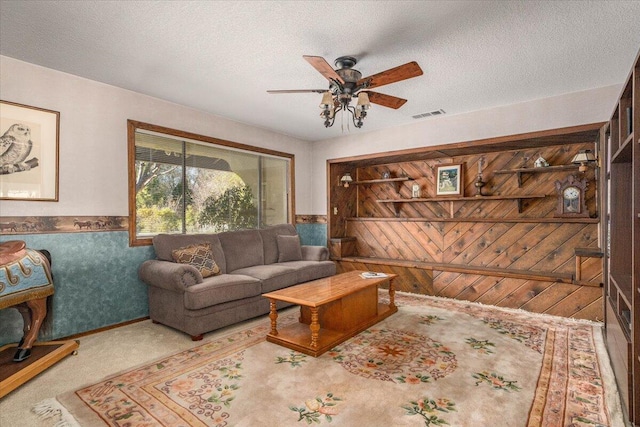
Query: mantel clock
point(571, 197)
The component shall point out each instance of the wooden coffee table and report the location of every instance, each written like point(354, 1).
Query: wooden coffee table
point(332, 310)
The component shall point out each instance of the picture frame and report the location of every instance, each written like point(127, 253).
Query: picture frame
point(449, 179)
point(29, 152)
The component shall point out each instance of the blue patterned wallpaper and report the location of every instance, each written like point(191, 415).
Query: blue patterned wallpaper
point(96, 283)
point(312, 234)
point(96, 280)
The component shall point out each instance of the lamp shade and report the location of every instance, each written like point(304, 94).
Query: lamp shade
point(346, 179)
point(327, 101)
point(583, 156)
point(363, 101)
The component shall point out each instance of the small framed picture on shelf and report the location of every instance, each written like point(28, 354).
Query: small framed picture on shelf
point(449, 179)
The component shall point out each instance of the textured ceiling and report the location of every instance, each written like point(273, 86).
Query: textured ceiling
point(222, 56)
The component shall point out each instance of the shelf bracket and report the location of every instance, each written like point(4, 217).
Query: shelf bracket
point(396, 208)
point(519, 175)
point(584, 253)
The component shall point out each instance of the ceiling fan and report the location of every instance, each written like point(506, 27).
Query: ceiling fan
point(346, 83)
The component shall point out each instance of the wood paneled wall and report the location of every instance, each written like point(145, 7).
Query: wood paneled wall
point(423, 172)
point(477, 250)
point(526, 249)
point(519, 246)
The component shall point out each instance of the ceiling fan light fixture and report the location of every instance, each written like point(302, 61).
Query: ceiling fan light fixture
point(327, 101)
point(363, 101)
point(345, 84)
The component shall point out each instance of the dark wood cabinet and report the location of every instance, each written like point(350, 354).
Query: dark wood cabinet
point(621, 226)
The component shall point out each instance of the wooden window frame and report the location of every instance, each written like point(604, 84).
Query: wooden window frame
point(133, 125)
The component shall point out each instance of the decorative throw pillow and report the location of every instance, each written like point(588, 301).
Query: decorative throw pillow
point(289, 248)
point(200, 256)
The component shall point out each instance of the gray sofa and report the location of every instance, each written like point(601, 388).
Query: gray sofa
point(251, 262)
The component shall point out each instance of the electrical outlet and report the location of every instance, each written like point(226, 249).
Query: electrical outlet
point(335, 210)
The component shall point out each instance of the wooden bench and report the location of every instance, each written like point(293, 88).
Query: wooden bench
point(468, 269)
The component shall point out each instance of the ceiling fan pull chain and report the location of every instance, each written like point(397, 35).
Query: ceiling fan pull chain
point(348, 124)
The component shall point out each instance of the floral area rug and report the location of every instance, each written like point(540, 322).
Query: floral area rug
point(435, 362)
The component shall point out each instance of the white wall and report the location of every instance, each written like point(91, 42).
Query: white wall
point(571, 109)
point(93, 138)
point(93, 135)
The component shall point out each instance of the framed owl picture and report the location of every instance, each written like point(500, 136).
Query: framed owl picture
point(28, 152)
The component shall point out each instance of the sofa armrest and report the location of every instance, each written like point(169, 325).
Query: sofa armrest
point(172, 276)
point(315, 253)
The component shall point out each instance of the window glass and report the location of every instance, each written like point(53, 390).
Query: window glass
point(274, 201)
point(226, 198)
point(158, 180)
point(184, 185)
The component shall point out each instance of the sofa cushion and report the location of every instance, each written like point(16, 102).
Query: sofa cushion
point(164, 244)
point(315, 253)
point(242, 249)
point(289, 248)
point(219, 289)
point(311, 270)
point(273, 276)
point(269, 236)
point(200, 256)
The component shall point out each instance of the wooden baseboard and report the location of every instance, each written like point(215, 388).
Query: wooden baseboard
point(104, 328)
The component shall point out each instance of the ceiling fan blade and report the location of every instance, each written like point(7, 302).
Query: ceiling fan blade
point(402, 72)
point(298, 91)
point(386, 100)
point(323, 67)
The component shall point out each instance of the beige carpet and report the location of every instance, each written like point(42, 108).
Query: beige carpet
point(435, 362)
point(100, 355)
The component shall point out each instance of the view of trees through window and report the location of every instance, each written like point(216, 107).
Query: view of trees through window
point(185, 186)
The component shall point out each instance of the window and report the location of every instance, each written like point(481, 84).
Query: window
point(185, 183)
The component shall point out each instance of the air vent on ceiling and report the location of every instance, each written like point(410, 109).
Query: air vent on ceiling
point(429, 114)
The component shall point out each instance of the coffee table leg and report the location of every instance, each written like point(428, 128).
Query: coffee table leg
point(392, 294)
point(273, 315)
point(315, 327)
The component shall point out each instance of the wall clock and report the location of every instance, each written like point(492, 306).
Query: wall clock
point(571, 198)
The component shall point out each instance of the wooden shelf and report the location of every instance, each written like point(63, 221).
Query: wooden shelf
point(464, 198)
point(625, 152)
point(397, 182)
point(547, 169)
point(622, 283)
point(552, 220)
point(519, 197)
point(623, 323)
point(376, 181)
point(589, 252)
point(621, 205)
point(539, 170)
